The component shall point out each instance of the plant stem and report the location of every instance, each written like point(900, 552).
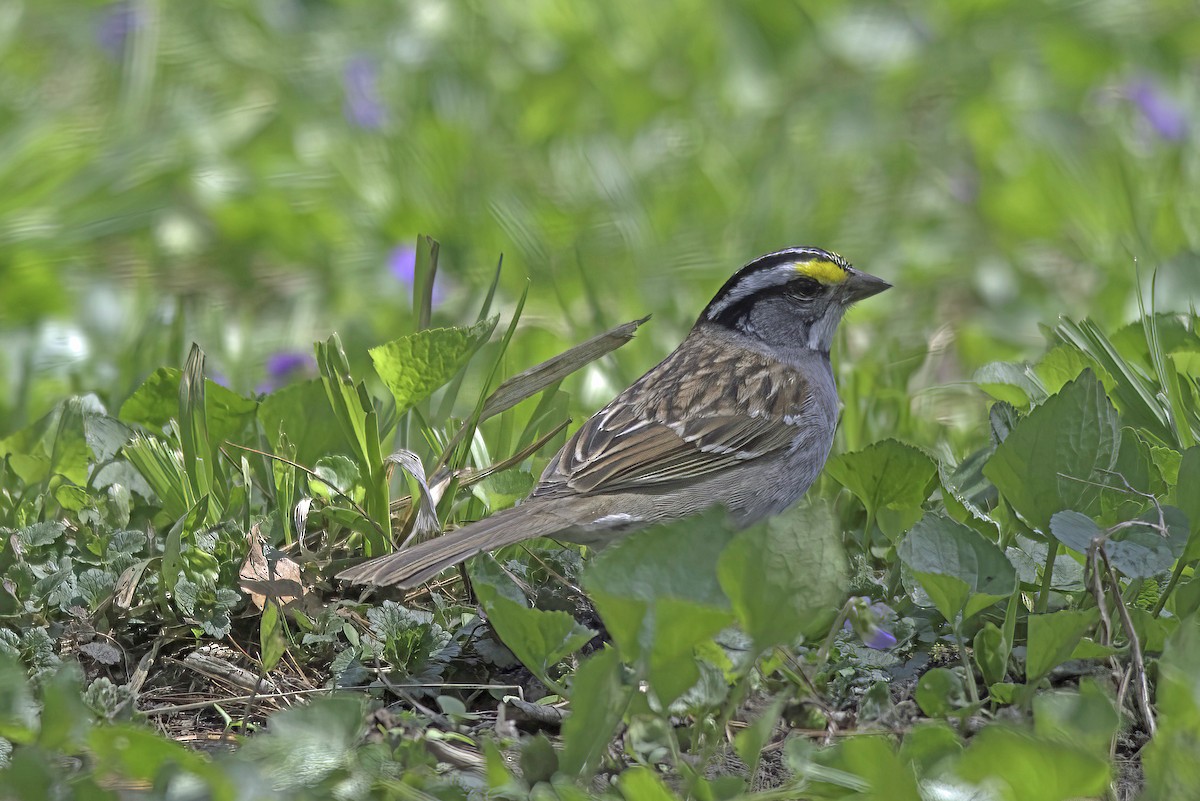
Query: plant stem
point(1166, 593)
point(962, 654)
point(1043, 600)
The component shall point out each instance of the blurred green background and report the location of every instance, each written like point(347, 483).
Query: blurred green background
point(253, 174)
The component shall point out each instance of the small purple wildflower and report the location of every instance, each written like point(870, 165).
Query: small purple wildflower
point(1163, 114)
point(285, 366)
point(864, 620)
point(363, 106)
point(402, 264)
point(119, 20)
point(286, 363)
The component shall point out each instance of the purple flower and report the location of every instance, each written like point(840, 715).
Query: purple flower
point(1163, 114)
point(285, 366)
point(402, 264)
point(119, 20)
point(864, 620)
point(363, 106)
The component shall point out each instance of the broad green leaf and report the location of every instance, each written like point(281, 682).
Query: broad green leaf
point(1137, 396)
point(599, 697)
point(642, 784)
point(1057, 457)
point(1187, 498)
point(56, 444)
point(156, 402)
point(306, 743)
point(1019, 766)
point(413, 366)
point(18, 709)
point(1063, 364)
point(1152, 631)
point(940, 693)
point(891, 479)
point(301, 412)
point(786, 577)
point(1171, 760)
point(658, 594)
point(539, 760)
point(960, 569)
point(65, 720)
point(991, 653)
point(1139, 551)
point(929, 743)
point(1012, 383)
point(139, 753)
point(540, 639)
point(1142, 551)
point(1085, 716)
point(1052, 638)
point(874, 762)
point(1075, 530)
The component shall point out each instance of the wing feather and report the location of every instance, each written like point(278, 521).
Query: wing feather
point(682, 421)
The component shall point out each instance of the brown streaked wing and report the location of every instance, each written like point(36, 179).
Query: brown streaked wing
point(630, 444)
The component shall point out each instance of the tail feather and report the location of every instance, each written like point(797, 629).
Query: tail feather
point(419, 563)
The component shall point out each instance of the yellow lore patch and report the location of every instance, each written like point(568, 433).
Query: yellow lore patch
point(824, 271)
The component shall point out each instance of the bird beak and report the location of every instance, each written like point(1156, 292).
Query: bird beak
point(860, 286)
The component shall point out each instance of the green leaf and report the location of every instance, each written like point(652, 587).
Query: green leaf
point(1063, 364)
point(305, 744)
point(54, 445)
point(1011, 383)
point(1021, 767)
point(156, 402)
point(1074, 530)
point(139, 753)
point(642, 784)
point(1085, 717)
point(891, 479)
point(927, 744)
point(66, 721)
point(991, 653)
point(1142, 551)
point(301, 412)
point(1052, 638)
point(271, 642)
point(1171, 760)
point(599, 697)
point(874, 763)
point(940, 693)
point(1057, 457)
point(1187, 498)
point(786, 577)
point(194, 439)
point(538, 638)
point(960, 569)
point(539, 760)
point(413, 366)
point(18, 709)
point(658, 594)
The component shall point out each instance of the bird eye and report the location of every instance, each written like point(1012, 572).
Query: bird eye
point(804, 289)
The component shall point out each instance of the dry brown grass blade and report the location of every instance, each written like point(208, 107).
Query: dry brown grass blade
point(532, 381)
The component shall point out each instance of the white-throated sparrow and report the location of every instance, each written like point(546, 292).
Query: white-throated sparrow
point(741, 414)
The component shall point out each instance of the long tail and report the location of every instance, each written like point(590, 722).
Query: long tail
point(409, 567)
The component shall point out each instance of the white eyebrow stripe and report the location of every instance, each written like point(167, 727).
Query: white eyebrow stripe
point(752, 283)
